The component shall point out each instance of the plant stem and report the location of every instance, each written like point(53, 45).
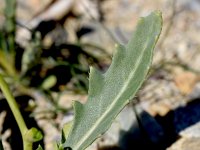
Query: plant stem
point(7, 66)
point(16, 112)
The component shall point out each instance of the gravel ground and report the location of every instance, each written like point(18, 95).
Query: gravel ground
point(172, 85)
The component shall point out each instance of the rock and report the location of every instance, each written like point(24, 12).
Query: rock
point(190, 138)
point(192, 131)
point(185, 81)
point(186, 144)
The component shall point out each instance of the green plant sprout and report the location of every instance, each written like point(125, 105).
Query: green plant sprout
point(28, 135)
point(108, 93)
point(7, 52)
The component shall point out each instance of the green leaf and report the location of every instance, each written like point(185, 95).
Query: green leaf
point(39, 148)
point(111, 91)
point(10, 24)
point(65, 131)
point(33, 135)
point(32, 54)
point(49, 82)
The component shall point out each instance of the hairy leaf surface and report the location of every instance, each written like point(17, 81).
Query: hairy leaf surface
point(111, 91)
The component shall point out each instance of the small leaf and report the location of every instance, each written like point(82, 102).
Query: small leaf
point(39, 148)
point(32, 54)
point(65, 131)
point(111, 91)
point(49, 82)
point(33, 135)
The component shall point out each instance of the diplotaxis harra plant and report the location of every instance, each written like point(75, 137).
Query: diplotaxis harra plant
point(109, 92)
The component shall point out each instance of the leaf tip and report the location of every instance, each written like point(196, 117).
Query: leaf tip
point(158, 12)
point(77, 104)
point(95, 76)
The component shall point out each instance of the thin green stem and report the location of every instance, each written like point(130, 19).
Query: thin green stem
point(27, 145)
point(16, 112)
point(7, 66)
point(13, 105)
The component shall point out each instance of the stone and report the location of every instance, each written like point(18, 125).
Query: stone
point(186, 144)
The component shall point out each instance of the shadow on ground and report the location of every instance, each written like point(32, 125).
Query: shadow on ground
point(159, 132)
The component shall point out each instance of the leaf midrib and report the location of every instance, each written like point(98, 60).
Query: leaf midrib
point(115, 100)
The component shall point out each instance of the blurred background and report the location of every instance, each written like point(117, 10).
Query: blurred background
point(47, 46)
